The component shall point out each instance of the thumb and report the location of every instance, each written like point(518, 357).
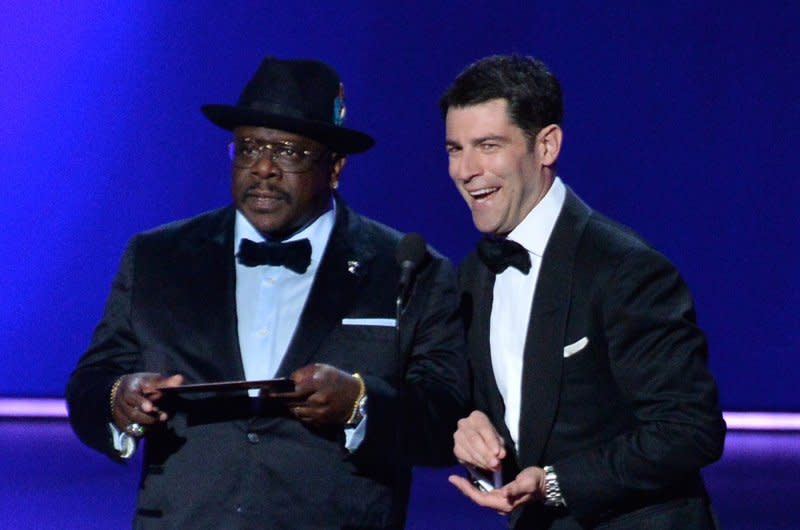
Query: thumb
point(173, 380)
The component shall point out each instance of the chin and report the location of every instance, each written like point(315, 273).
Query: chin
point(484, 226)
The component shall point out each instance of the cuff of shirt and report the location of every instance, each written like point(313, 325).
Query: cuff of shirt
point(354, 436)
point(124, 444)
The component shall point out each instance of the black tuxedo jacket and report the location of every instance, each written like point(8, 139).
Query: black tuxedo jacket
point(628, 420)
point(231, 462)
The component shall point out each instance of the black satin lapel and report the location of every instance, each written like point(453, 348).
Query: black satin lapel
point(496, 404)
point(544, 343)
point(479, 288)
point(332, 294)
point(212, 265)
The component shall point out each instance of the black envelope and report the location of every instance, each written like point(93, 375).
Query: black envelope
point(265, 385)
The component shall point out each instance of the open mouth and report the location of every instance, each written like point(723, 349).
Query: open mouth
point(483, 193)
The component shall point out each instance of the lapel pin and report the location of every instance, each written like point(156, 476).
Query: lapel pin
point(354, 267)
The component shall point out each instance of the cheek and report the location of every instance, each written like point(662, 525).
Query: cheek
point(238, 182)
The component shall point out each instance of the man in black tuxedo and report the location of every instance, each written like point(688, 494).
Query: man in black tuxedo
point(593, 399)
point(288, 282)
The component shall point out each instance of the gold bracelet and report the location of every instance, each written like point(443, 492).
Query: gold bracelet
point(362, 389)
point(113, 395)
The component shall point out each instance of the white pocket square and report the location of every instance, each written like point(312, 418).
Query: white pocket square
point(575, 347)
point(386, 322)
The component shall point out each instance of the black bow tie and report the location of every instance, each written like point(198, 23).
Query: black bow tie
point(294, 255)
point(498, 254)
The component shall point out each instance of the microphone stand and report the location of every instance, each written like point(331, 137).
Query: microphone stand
point(399, 308)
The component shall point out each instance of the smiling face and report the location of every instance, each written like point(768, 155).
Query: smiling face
point(501, 173)
point(279, 202)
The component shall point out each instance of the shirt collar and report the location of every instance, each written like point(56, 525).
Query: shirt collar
point(535, 229)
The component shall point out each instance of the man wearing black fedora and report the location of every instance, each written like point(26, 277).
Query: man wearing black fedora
point(287, 282)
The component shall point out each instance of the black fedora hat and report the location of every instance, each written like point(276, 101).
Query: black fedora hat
point(299, 96)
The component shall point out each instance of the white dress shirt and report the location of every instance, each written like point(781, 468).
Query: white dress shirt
point(512, 300)
point(270, 299)
point(269, 302)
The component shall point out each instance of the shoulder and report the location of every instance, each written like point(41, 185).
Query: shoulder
point(201, 225)
point(604, 241)
point(616, 264)
point(192, 232)
point(198, 223)
point(381, 240)
point(614, 237)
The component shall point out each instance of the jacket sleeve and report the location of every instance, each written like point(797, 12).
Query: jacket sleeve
point(419, 416)
point(658, 359)
point(112, 353)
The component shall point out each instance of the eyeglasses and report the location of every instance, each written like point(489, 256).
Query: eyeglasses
point(244, 153)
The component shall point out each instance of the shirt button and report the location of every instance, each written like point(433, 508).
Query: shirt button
point(269, 281)
point(252, 438)
point(262, 332)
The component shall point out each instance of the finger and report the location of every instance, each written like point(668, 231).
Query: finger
point(471, 446)
point(173, 381)
point(151, 386)
point(137, 402)
point(495, 445)
point(304, 376)
point(523, 489)
point(139, 409)
point(303, 402)
point(464, 486)
point(302, 388)
point(516, 503)
point(302, 412)
point(138, 416)
point(491, 499)
point(160, 383)
point(465, 453)
point(133, 400)
point(148, 407)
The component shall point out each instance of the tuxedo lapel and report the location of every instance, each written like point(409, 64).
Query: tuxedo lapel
point(480, 346)
point(477, 285)
point(340, 273)
point(544, 343)
point(210, 264)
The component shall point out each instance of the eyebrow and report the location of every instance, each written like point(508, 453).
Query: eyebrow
point(491, 138)
point(478, 141)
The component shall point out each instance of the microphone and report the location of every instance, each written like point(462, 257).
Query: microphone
point(410, 252)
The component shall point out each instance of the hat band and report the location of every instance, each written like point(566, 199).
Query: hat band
point(277, 108)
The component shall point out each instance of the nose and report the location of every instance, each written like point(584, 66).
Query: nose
point(265, 167)
point(465, 166)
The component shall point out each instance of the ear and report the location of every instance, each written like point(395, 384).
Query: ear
point(549, 144)
point(336, 169)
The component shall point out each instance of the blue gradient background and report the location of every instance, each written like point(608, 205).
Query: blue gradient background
point(681, 121)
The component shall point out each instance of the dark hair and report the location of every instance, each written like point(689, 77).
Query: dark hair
point(532, 91)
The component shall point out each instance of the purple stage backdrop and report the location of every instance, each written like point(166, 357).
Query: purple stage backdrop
point(681, 121)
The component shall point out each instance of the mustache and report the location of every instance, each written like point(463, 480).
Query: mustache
point(259, 188)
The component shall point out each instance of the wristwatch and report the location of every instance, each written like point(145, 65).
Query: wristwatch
point(552, 491)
